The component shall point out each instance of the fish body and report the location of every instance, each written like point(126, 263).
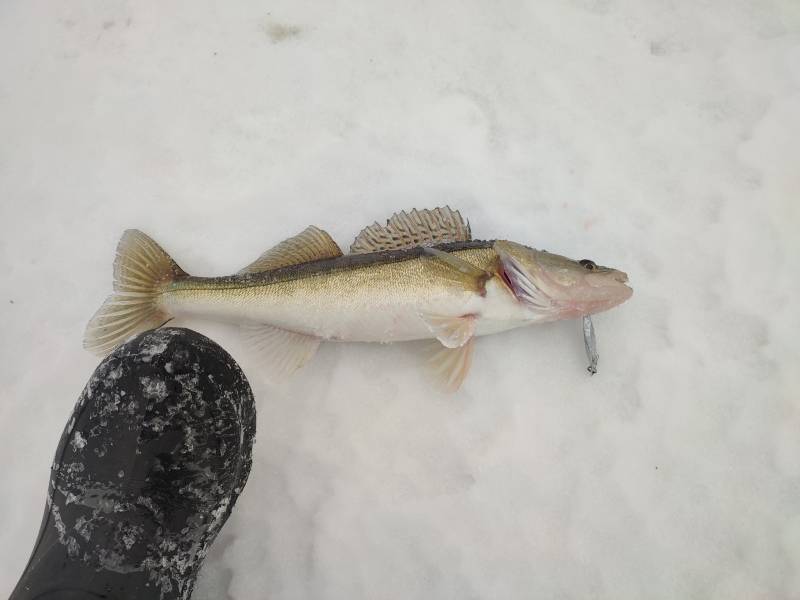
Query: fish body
point(375, 297)
point(420, 276)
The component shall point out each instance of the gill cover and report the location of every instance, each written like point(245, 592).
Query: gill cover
point(520, 279)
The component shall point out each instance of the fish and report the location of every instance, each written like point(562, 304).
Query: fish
point(419, 276)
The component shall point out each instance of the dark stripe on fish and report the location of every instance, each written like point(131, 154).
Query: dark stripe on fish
point(331, 265)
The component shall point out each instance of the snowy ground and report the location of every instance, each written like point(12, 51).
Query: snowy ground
point(657, 137)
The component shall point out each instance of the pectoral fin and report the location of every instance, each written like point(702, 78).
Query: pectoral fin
point(452, 332)
point(282, 351)
point(450, 366)
point(472, 277)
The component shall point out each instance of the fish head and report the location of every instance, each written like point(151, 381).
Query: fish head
point(560, 286)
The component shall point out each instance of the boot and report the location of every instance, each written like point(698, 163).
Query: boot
point(148, 469)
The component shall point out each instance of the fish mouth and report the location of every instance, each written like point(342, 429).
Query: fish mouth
point(607, 279)
point(609, 289)
point(622, 279)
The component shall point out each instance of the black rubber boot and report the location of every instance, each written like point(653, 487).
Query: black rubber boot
point(146, 473)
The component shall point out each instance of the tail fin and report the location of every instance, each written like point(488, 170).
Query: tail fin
point(140, 270)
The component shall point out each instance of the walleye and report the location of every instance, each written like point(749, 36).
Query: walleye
point(420, 276)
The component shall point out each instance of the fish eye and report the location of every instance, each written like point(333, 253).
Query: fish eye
point(587, 264)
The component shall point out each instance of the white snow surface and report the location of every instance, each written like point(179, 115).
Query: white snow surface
point(658, 137)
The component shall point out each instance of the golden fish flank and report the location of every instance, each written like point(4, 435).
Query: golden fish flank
point(420, 276)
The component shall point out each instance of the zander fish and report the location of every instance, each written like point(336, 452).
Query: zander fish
point(420, 276)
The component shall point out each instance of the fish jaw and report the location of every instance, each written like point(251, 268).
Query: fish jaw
point(593, 293)
point(608, 291)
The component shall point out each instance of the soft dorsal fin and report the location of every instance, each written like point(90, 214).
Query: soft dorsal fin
point(309, 245)
point(411, 229)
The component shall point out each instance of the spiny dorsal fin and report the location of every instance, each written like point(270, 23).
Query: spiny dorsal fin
point(412, 229)
point(309, 245)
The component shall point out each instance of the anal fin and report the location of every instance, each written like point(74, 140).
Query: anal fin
point(450, 366)
point(282, 351)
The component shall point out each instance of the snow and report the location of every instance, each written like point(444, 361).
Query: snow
point(656, 137)
point(78, 441)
